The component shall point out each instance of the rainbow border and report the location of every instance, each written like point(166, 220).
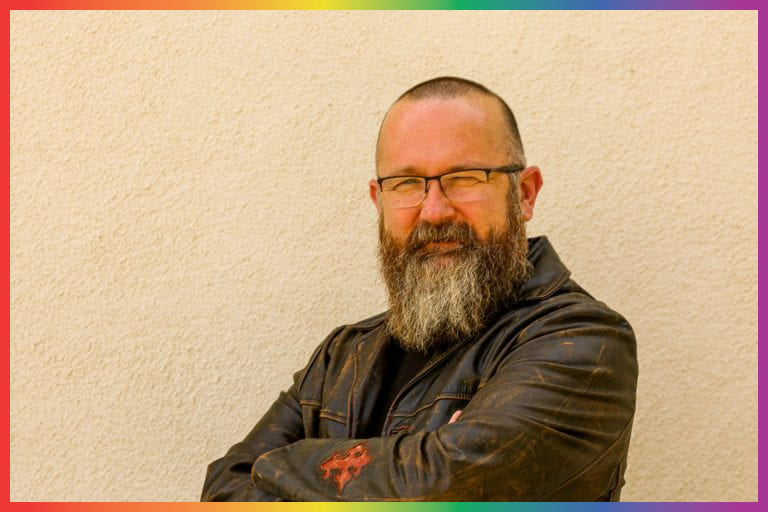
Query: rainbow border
point(389, 4)
point(362, 5)
point(388, 507)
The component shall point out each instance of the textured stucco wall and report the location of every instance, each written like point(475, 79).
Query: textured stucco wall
point(189, 219)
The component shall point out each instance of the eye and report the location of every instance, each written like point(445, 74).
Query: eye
point(405, 184)
point(462, 180)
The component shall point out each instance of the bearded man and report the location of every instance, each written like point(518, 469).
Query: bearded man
point(493, 375)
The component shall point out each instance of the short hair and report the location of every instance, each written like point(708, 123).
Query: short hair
point(451, 87)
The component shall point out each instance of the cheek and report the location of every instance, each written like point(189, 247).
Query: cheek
point(483, 218)
point(400, 221)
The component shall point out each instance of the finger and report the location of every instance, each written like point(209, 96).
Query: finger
point(455, 417)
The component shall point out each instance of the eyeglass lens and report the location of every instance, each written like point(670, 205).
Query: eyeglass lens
point(458, 187)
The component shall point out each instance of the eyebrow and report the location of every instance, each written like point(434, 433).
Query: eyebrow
point(411, 171)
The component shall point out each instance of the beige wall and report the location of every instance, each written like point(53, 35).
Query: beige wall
point(189, 219)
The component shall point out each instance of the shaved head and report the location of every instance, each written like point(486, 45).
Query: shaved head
point(448, 87)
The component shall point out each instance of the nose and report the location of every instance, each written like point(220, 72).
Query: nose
point(436, 207)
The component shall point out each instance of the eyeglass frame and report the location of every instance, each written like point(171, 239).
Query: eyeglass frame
point(508, 169)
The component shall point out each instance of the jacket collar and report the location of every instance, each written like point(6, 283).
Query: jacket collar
point(549, 273)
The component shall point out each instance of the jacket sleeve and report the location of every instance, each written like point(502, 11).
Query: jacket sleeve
point(560, 403)
point(229, 478)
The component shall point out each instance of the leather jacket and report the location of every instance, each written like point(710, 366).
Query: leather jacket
point(547, 394)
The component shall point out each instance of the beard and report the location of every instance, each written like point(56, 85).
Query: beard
point(439, 296)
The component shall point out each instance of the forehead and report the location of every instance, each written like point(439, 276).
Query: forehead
point(434, 134)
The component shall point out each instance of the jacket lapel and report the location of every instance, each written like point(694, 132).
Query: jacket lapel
point(369, 358)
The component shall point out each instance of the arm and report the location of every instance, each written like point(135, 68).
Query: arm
point(229, 478)
point(556, 413)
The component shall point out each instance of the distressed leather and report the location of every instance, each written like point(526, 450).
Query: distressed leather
point(547, 395)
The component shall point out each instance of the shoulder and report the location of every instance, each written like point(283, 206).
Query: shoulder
point(568, 326)
point(368, 323)
point(571, 308)
point(353, 331)
point(347, 335)
point(344, 338)
point(338, 346)
point(571, 329)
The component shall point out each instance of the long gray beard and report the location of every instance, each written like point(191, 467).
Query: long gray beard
point(437, 300)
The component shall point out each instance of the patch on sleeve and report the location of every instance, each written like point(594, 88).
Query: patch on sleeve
point(347, 466)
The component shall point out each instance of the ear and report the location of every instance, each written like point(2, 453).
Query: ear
point(373, 190)
point(530, 182)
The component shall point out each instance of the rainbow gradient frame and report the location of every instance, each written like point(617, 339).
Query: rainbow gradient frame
point(358, 5)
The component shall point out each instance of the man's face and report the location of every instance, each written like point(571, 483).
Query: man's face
point(448, 266)
point(427, 137)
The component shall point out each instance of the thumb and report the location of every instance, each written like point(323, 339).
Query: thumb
point(454, 417)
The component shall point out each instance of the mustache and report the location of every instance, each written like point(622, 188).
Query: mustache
point(424, 233)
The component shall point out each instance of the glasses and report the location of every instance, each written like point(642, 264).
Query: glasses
point(462, 186)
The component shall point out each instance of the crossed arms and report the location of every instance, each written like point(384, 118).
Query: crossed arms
point(552, 423)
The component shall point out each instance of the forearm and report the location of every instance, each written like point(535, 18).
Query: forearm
point(229, 478)
point(469, 462)
point(237, 487)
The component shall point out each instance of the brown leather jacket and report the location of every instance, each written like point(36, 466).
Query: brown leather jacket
point(547, 394)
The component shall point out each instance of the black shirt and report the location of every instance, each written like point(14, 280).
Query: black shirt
point(400, 367)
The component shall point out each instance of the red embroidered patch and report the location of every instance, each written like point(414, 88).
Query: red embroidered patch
point(347, 466)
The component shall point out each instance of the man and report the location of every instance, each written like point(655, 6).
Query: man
point(493, 376)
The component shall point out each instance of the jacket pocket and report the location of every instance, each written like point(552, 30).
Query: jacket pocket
point(429, 416)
